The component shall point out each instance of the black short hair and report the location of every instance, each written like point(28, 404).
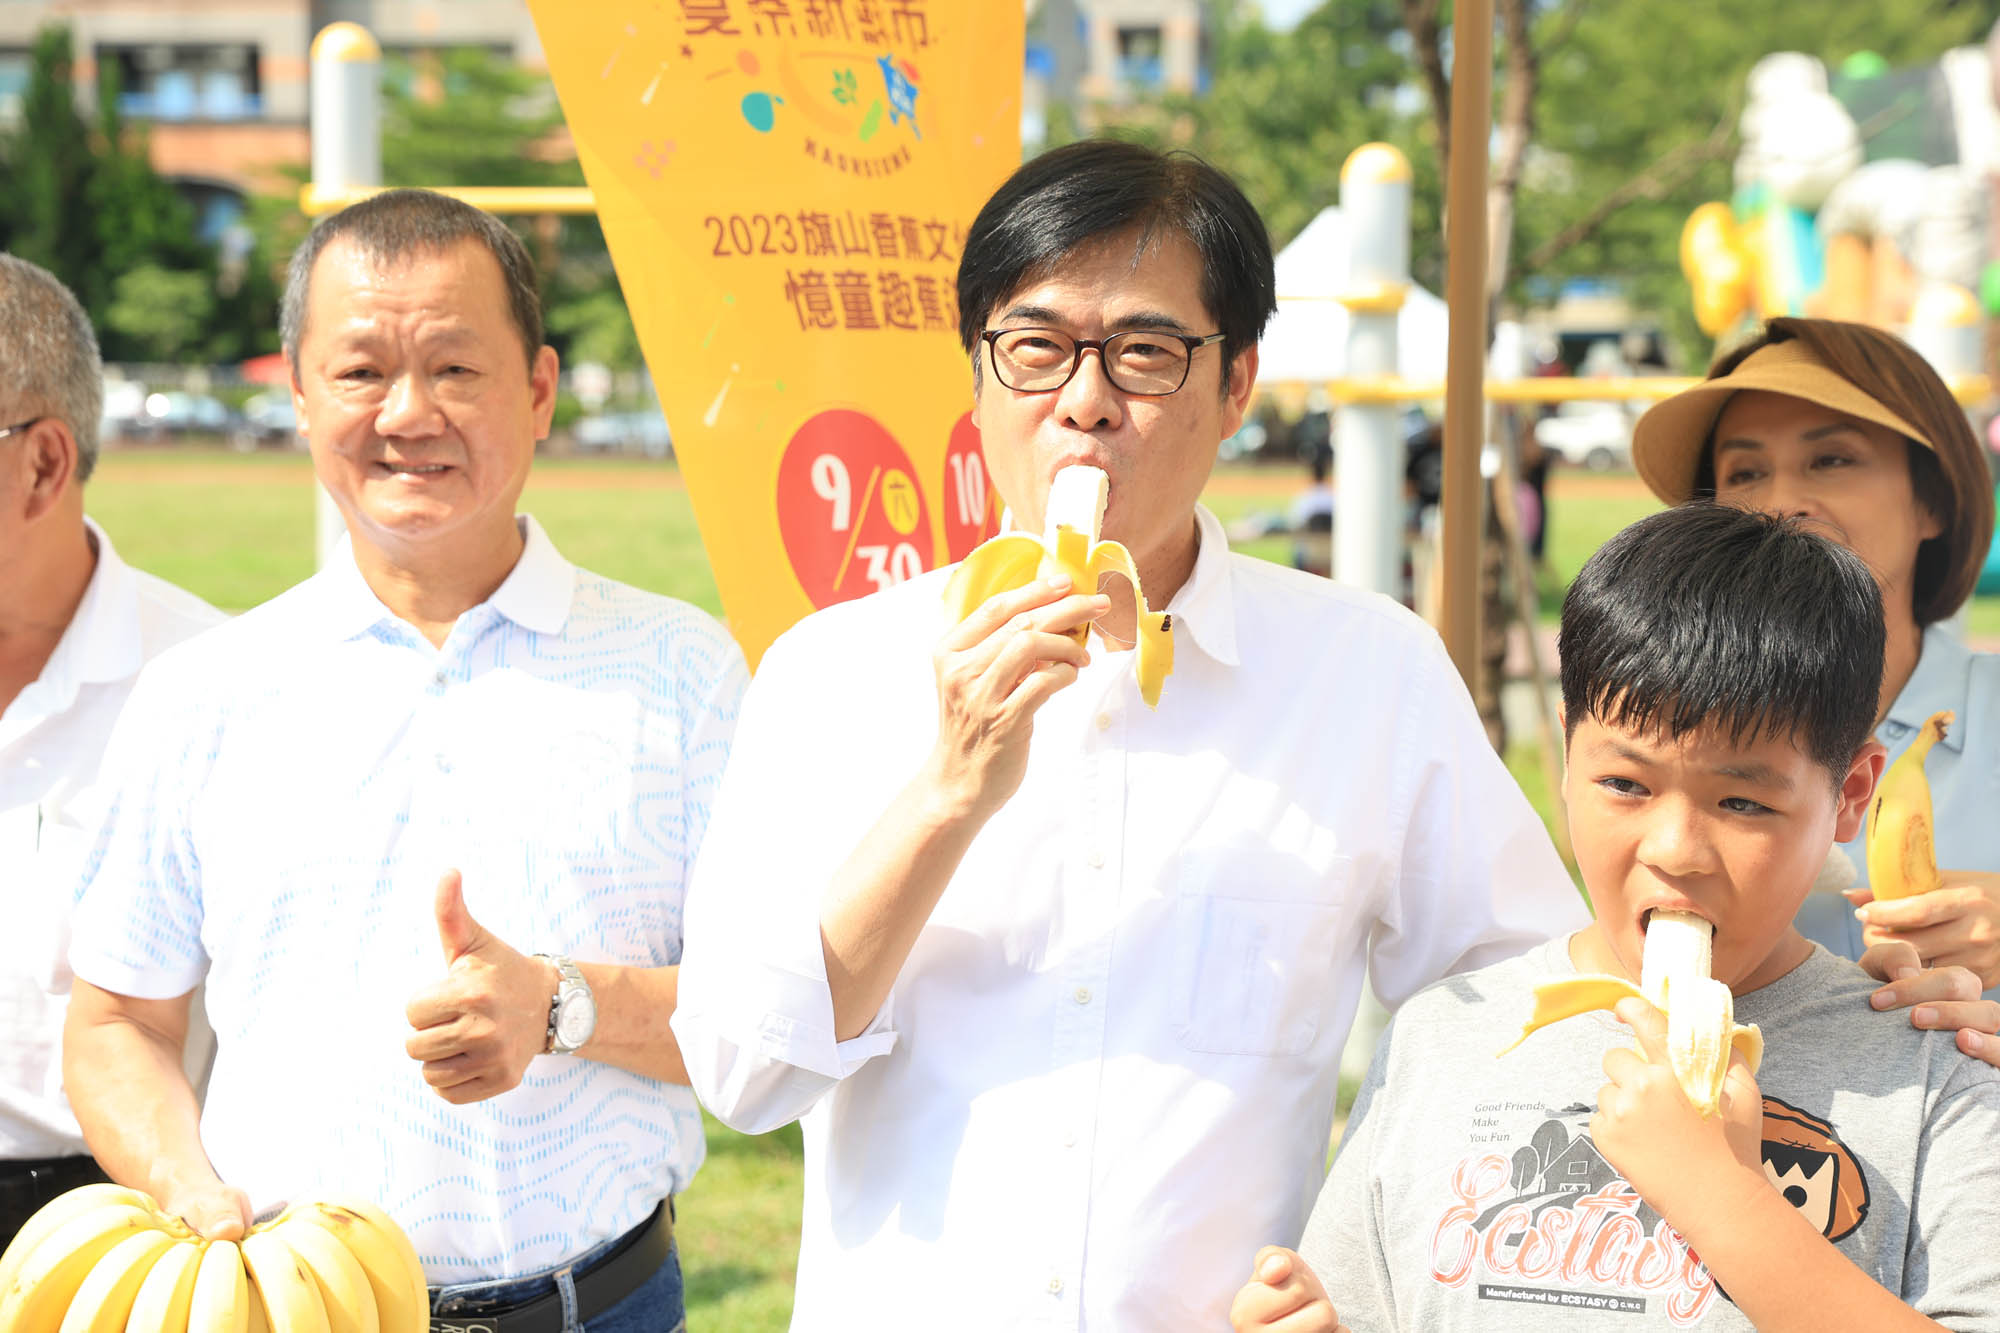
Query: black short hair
point(1070, 196)
point(395, 224)
point(1707, 614)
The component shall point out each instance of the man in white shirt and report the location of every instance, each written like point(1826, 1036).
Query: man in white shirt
point(368, 809)
point(1057, 982)
point(76, 624)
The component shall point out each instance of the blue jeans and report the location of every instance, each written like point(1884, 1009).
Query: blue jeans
point(654, 1306)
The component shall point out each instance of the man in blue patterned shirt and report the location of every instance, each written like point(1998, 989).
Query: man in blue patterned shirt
point(423, 824)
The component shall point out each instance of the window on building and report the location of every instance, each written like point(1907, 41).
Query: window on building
point(218, 82)
point(1139, 62)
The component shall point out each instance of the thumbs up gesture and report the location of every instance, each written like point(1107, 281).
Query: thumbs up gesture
point(477, 1029)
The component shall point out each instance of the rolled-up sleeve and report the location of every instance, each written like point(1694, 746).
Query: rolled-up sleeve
point(754, 1015)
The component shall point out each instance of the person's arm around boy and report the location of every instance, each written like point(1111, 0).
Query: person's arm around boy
point(1705, 1176)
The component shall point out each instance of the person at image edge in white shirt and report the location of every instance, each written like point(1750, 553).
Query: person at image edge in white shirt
point(76, 624)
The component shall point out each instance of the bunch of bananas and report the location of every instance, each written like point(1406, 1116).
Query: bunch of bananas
point(1674, 977)
point(1068, 545)
point(105, 1259)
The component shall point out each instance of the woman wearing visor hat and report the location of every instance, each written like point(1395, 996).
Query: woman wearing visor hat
point(1847, 425)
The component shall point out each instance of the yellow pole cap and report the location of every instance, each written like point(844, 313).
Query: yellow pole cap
point(1375, 164)
point(346, 43)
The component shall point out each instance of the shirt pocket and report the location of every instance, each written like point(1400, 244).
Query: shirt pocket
point(1254, 956)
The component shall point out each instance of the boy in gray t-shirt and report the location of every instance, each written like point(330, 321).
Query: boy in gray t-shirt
point(1720, 672)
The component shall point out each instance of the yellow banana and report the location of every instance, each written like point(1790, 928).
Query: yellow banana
point(1069, 545)
point(164, 1297)
point(74, 1203)
point(395, 1277)
point(46, 1284)
point(104, 1302)
point(282, 1283)
point(1901, 858)
point(343, 1283)
point(221, 1300)
point(1673, 976)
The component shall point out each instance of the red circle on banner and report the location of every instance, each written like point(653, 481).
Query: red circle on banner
point(971, 509)
point(849, 508)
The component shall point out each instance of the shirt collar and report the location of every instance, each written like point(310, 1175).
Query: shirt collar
point(535, 594)
point(1941, 682)
point(101, 643)
point(1206, 603)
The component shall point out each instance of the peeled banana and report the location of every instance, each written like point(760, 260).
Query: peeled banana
point(1068, 545)
point(1902, 859)
point(1674, 977)
point(104, 1259)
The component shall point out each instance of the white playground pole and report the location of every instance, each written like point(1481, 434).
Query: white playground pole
point(1368, 443)
point(346, 128)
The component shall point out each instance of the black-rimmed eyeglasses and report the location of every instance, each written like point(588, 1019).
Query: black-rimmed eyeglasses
point(5, 431)
point(1148, 362)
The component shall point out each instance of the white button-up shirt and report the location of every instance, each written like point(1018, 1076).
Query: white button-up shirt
point(51, 738)
point(1106, 1073)
point(290, 789)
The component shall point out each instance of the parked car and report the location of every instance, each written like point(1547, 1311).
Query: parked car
point(1596, 435)
point(268, 418)
point(169, 415)
point(624, 432)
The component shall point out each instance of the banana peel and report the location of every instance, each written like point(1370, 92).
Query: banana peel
point(1070, 546)
point(1902, 853)
point(1702, 1031)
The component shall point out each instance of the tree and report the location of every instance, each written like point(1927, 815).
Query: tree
point(162, 314)
point(1285, 109)
point(85, 203)
point(470, 117)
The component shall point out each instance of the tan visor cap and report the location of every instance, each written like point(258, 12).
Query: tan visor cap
point(1669, 440)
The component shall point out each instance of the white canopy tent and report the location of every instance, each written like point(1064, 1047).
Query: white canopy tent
point(1306, 342)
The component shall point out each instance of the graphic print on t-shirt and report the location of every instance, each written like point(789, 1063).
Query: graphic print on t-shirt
point(1541, 1218)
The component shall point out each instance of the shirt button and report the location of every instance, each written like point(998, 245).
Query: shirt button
point(440, 680)
point(1104, 721)
point(1055, 1286)
point(1069, 1139)
point(1094, 859)
point(443, 764)
point(1082, 994)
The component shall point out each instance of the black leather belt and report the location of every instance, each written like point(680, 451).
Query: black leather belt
point(609, 1280)
point(25, 1185)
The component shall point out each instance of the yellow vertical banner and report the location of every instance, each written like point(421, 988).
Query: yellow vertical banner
point(785, 186)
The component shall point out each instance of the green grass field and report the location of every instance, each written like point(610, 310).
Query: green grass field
point(238, 529)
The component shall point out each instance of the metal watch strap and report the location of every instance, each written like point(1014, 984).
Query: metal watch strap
point(569, 978)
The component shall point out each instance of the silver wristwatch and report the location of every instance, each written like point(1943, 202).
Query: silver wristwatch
point(572, 1009)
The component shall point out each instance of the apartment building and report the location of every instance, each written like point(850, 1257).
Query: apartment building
point(1094, 57)
point(221, 84)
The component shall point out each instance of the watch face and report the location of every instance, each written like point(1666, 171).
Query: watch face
point(576, 1018)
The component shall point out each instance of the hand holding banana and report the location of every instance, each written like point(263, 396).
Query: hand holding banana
point(1649, 1129)
point(1952, 918)
point(477, 1029)
point(1069, 548)
point(106, 1259)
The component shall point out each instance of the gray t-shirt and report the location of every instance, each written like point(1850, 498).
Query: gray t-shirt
point(1468, 1195)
